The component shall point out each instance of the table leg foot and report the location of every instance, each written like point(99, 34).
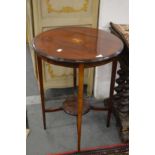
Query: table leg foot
point(108, 119)
point(44, 121)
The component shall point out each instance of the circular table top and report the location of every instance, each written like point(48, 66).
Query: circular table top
point(77, 45)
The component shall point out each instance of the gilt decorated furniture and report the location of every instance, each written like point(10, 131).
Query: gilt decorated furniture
point(80, 48)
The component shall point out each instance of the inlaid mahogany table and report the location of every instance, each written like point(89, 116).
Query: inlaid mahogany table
point(77, 48)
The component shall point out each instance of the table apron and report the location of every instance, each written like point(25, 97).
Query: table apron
point(76, 64)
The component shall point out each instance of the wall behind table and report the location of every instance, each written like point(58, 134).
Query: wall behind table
point(116, 11)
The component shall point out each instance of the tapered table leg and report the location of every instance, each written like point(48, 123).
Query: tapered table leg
point(74, 87)
point(80, 103)
point(113, 76)
point(39, 63)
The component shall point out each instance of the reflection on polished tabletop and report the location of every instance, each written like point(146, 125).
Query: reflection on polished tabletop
point(77, 44)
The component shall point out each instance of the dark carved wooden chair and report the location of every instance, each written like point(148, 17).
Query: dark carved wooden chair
point(121, 99)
